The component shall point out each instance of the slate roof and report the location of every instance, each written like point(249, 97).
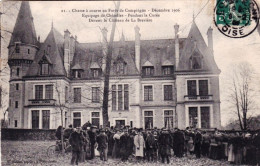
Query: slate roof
point(55, 40)
point(24, 30)
point(195, 42)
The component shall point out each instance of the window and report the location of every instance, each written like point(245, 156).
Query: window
point(205, 119)
point(95, 94)
point(35, 119)
point(66, 94)
point(193, 117)
point(44, 69)
point(114, 97)
point(38, 91)
point(28, 51)
point(48, 91)
point(192, 91)
point(120, 67)
point(77, 95)
point(15, 123)
point(95, 118)
point(66, 119)
point(17, 48)
point(17, 86)
point(16, 104)
point(77, 73)
point(148, 93)
point(45, 119)
point(148, 71)
point(168, 92)
point(167, 70)
point(126, 97)
point(120, 97)
point(17, 71)
point(203, 87)
point(96, 73)
point(76, 119)
point(148, 119)
point(168, 118)
point(196, 61)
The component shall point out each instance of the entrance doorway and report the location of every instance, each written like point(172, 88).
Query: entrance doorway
point(120, 123)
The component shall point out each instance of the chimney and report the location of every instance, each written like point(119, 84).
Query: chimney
point(210, 39)
point(67, 51)
point(104, 47)
point(137, 48)
point(177, 48)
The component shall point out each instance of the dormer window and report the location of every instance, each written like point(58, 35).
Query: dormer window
point(96, 73)
point(120, 66)
point(77, 73)
point(148, 71)
point(167, 70)
point(196, 62)
point(44, 69)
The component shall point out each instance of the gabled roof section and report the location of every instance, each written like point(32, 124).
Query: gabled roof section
point(94, 65)
point(77, 67)
point(53, 48)
point(167, 63)
point(195, 42)
point(45, 58)
point(24, 30)
point(147, 64)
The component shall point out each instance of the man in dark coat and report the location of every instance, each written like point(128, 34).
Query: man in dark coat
point(197, 143)
point(150, 145)
point(179, 141)
point(126, 145)
point(92, 137)
point(76, 141)
point(68, 132)
point(165, 145)
point(102, 141)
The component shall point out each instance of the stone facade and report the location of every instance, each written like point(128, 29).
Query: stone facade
point(153, 83)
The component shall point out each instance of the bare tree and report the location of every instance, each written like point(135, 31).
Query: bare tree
point(242, 93)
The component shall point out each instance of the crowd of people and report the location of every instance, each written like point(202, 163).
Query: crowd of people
point(154, 145)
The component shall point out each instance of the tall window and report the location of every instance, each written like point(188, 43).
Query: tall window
point(114, 97)
point(196, 61)
point(120, 67)
point(168, 92)
point(126, 97)
point(193, 116)
point(167, 70)
point(192, 90)
point(15, 123)
point(17, 71)
point(35, 119)
point(17, 48)
point(44, 69)
point(148, 119)
point(17, 86)
point(66, 94)
point(16, 104)
point(38, 91)
point(48, 91)
point(120, 97)
point(205, 117)
point(148, 71)
point(76, 119)
point(77, 95)
point(203, 87)
point(168, 118)
point(95, 94)
point(148, 93)
point(96, 73)
point(95, 118)
point(28, 51)
point(46, 119)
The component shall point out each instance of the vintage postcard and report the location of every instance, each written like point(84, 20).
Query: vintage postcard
point(130, 82)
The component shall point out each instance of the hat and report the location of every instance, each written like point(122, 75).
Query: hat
point(102, 130)
point(93, 126)
point(164, 129)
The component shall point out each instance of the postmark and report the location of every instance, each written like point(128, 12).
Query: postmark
point(236, 18)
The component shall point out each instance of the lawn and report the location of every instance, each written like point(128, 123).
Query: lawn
point(35, 153)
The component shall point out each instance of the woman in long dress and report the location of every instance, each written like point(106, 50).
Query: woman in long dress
point(116, 148)
point(139, 145)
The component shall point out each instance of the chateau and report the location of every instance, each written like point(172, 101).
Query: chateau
point(153, 83)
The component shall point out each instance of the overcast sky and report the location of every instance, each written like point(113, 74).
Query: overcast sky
point(227, 51)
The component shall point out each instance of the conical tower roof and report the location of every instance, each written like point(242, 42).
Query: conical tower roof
point(24, 30)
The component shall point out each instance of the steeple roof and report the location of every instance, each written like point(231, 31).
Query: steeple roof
point(24, 30)
point(53, 48)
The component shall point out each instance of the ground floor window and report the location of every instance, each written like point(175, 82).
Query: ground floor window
point(168, 119)
point(76, 119)
point(148, 119)
point(46, 119)
point(205, 119)
point(35, 119)
point(120, 123)
point(199, 117)
point(95, 118)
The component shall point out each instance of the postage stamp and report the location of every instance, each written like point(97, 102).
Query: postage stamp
point(236, 18)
